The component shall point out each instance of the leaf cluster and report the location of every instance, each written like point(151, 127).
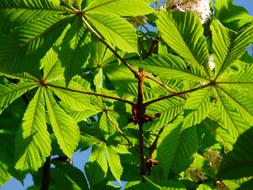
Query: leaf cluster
point(156, 98)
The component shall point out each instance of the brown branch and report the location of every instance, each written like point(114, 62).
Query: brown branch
point(102, 39)
point(46, 175)
point(140, 118)
point(177, 94)
point(153, 46)
point(92, 93)
point(152, 78)
point(154, 144)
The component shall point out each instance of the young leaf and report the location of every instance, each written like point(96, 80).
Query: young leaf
point(65, 128)
point(183, 32)
point(33, 143)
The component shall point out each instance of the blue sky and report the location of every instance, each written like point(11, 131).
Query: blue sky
point(80, 158)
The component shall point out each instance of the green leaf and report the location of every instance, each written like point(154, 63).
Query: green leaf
point(198, 105)
point(228, 46)
point(115, 30)
point(52, 68)
point(94, 174)
point(114, 162)
point(246, 185)
point(5, 158)
point(76, 101)
point(231, 118)
point(168, 185)
point(28, 42)
point(98, 155)
point(10, 92)
point(185, 36)
point(204, 187)
point(33, 141)
point(175, 147)
point(14, 13)
point(241, 100)
point(231, 15)
point(239, 162)
point(74, 49)
point(97, 164)
point(65, 128)
point(119, 7)
point(171, 67)
point(73, 175)
point(242, 78)
point(168, 110)
point(108, 122)
point(60, 179)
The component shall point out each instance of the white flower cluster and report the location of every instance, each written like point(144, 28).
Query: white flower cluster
point(211, 62)
point(200, 7)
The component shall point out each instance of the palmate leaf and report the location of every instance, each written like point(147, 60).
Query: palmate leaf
point(171, 66)
point(10, 92)
point(228, 46)
point(65, 128)
point(107, 156)
point(119, 7)
point(183, 32)
point(33, 143)
point(115, 30)
point(175, 147)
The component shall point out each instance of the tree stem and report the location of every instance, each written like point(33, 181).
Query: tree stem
point(140, 114)
point(46, 175)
